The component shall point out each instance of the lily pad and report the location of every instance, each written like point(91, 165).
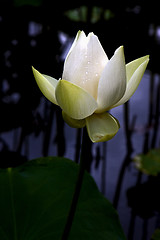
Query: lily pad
point(36, 197)
point(149, 163)
point(156, 234)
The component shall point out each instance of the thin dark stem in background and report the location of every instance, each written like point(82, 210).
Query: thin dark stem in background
point(145, 229)
point(157, 114)
point(131, 226)
point(78, 186)
point(49, 113)
point(146, 147)
point(127, 159)
point(150, 116)
point(104, 168)
point(60, 138)
point(127, 128)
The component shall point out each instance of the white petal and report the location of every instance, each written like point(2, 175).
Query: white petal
point(80, 35)
point(47, 85)
point(75, 58)
point(112, 84)
point(134, 72)
point(85, 63)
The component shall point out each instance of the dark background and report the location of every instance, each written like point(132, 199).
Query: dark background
point(30, 35)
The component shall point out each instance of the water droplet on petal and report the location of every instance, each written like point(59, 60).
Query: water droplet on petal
point(97, 75)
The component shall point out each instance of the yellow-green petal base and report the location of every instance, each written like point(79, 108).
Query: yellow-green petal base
point(102, 127)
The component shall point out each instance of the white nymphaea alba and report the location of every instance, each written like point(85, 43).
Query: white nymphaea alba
point(92, 84)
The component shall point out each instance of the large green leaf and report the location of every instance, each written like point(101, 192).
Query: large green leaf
point(156, 234)
point(149, 163)
point(35, 200)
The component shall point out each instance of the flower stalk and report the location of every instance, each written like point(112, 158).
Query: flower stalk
point(78, 187)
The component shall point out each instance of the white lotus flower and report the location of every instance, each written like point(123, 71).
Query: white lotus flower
point(91, 85)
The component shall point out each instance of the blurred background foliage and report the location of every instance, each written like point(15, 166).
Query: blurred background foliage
point(38, 33)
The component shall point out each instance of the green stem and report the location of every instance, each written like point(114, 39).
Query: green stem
point(78, 186)
point(12, 203)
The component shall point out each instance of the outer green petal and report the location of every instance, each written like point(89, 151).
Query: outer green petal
point(132, 66)
point(134, 71)
point(46, 84)
point(74, 100)
point(73, 122)
point(102, 127)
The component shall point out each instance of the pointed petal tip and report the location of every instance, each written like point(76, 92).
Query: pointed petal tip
point(135, 71)
point(146, 61)
point(143, 59)
point(36, 74)
point(119, 49)
point(91, 34)
point(80, 33)
point(46, 84)
point(147, 58)
point(34, 70)
point(120, 52)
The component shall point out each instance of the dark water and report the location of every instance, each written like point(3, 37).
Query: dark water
point(112, 156)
